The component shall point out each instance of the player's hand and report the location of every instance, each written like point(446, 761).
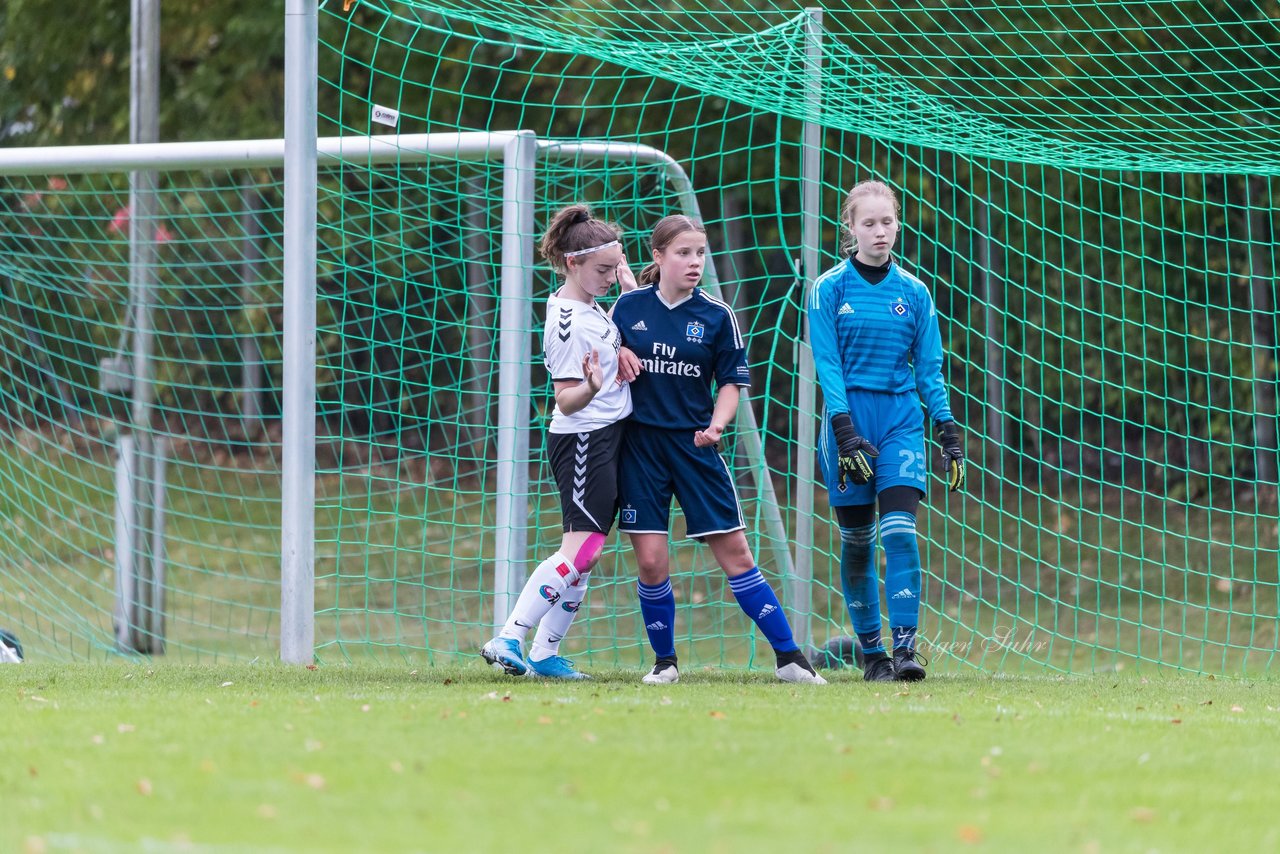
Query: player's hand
point(952, 455)
point(703, 438)
point(629, 366)
point(852, 451)
point(626, 278)
point(591, 373)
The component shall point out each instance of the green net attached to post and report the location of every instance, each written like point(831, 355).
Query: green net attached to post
point(1088, 191)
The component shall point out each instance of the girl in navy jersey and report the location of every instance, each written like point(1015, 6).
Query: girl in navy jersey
point(686, 341)
point(581, 346)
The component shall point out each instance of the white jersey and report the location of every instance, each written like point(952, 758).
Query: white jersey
point(573, 330)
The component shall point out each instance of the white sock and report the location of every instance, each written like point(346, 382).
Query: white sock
point(555, 625)
point(554, 575)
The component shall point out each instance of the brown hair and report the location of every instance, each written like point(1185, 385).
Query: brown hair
point(667, 230)
point(859, 192)
point(574, 228)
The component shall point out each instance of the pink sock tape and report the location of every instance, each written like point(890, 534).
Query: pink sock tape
point(589, 552)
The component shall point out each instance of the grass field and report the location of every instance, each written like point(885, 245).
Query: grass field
point(263, 757)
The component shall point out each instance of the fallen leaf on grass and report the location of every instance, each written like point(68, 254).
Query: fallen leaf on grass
point(34, 845)
point(589, 737)
point(543, 719)
point(1176, 721)
point(315, 781)
point(144, 787)
point(226, 684)
point(125, 727)
point(267, 811)
point(880, 804)
point(719, 715)
point(1143, 815)
point(1237, 708)
point(312, 667)
point(970, 834)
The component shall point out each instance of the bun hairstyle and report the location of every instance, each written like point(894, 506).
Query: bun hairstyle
point(860, 191)
point(573, 229)
point(667, 230)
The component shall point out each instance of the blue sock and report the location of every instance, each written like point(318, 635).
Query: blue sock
point(902, 575)
point(757, 600)
point(904, 637)
point(861, 585)
point(658, 608)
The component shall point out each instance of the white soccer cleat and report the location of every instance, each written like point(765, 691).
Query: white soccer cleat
point(504, 654)
point(798, 673)
point(664, 672)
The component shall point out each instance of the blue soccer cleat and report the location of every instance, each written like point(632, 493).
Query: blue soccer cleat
point(555, 667)
point(504, 654)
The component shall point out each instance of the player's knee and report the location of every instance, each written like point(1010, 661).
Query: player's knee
point(898, 534)
point(589, 552)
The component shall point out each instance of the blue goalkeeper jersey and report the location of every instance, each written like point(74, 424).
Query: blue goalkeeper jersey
point(881, 337)
point(682, 348)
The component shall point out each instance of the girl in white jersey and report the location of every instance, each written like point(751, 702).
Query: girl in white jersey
point(582, 348)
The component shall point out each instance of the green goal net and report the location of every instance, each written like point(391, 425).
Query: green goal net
point(1089, 191)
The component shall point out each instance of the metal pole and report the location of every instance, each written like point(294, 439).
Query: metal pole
point(514, 404)
point(298, 454)
point(247, 153)
point(144, 127)
point(800, 583)
point(153, 621)
point(126, 581)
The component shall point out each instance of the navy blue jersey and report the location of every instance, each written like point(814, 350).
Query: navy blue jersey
point(881, 337)
point(683, 347)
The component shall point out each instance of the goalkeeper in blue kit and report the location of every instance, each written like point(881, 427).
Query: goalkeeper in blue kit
point(878, 353)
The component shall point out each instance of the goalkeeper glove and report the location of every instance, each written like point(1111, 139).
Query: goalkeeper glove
point(853, 450)
point(952, 455)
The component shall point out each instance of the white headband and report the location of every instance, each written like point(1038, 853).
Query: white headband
point(592, 249)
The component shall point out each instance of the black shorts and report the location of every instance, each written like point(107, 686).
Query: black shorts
point(585, 466)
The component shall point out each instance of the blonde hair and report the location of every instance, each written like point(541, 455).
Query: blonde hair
point(667, 230)
point(860, 191)
point(573, 229)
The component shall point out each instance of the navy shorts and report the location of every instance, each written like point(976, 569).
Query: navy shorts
point(657, 464)
point(894, 423)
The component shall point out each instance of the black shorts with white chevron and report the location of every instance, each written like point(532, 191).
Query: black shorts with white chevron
point(585, 466)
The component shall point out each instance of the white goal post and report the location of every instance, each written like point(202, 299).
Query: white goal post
point(518, 152)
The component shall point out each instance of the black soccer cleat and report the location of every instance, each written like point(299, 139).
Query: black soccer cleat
point(909, 665)
point(878, 668)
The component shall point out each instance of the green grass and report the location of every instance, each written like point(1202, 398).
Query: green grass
point(118, 758)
